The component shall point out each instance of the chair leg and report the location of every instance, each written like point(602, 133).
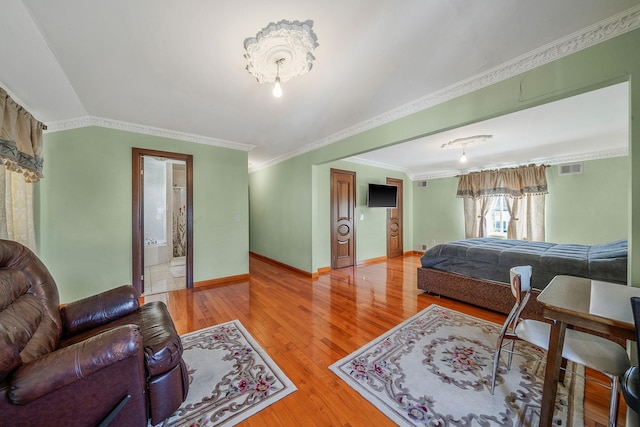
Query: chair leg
point(511, 349)
point(614, 401)
point(496, 363)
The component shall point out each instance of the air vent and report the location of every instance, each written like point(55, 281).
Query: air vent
point(570, 169)
point(423, 184)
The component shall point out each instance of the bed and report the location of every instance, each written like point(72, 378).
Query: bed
point(476, 271)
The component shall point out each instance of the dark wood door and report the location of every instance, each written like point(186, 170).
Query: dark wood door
point(394, 223)
point(343, 205)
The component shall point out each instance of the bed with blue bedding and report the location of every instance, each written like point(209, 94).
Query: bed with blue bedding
point(477, 270)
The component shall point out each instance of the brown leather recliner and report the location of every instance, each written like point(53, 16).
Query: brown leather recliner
point(103, 358)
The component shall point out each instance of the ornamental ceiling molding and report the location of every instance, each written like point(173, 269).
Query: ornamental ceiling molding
point(606, 154)
point(88, 121)
point(465, 142)
point(552, 161)
point(282, 49)
point(606, 29)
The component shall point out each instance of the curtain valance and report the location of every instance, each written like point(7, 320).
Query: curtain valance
point(513, 182)
point(20, 139)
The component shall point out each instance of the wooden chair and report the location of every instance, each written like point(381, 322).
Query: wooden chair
point(586, 349)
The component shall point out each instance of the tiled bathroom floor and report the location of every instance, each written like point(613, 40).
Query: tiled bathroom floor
point(159, 279)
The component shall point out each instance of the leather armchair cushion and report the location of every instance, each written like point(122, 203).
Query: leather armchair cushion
point(20, 315)
point(77, 362)
point(162, 345)
point(97, 310)
point(13, 283)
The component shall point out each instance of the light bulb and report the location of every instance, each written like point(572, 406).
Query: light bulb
point(277, 89)
point(463, 159)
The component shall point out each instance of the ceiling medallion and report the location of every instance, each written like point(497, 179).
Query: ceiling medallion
point(466, 142)
point(280, 52)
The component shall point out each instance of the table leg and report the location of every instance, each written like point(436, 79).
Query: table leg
point(551, 373)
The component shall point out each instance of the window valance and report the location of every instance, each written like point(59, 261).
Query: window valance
point(513, 182)
point(20, 139)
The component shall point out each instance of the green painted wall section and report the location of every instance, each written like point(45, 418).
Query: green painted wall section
point(437, 212)
point(609, 62)
point(371, 229)
point(83, 211)
point(280, 214)
point(587, 208)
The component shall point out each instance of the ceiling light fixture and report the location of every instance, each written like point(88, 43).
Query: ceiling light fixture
point(277, 89)
point(463, 159)
point(280, 52)
point(465, 142)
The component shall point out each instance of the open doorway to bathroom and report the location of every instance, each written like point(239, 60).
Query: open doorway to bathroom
point(162, 221)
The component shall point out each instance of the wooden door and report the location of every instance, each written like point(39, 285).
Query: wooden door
point(394, 223)
point(343, 205)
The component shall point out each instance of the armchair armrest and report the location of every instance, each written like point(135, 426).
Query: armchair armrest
point(98, 309)
point(78, 361)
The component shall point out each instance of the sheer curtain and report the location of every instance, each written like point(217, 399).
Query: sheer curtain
point(524, 189)
point(21, 154)
point(475, 216)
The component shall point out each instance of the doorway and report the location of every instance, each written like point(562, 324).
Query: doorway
point(394, 223)
point(162, 220)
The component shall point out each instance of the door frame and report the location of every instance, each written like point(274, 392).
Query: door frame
point(137, 213)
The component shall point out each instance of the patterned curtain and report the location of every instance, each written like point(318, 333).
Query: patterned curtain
point(21, 153)
point(524, 189)
point(512, 182)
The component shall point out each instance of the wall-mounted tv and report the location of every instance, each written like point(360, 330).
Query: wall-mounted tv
point(382, 196)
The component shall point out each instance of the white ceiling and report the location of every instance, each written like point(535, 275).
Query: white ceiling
point(176, 68)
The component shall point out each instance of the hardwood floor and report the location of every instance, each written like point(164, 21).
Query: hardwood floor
point(307, 324)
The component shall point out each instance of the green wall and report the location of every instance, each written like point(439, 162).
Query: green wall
point(437, 212)
point(83, 208)
point(608, 62)
point(587, 208)
point(371, 237)
point(592, 207)
point(280, 214)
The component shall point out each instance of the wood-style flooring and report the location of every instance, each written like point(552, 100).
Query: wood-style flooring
point(307, 324)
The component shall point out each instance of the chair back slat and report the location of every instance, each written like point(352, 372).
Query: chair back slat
point(520, 281)
point(635, 308)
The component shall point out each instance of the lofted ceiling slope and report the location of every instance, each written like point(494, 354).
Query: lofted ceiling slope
point(178, 67)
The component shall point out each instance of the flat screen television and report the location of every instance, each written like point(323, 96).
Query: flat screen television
point(382, 196)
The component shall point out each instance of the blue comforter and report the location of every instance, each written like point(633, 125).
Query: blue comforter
point(491, 259)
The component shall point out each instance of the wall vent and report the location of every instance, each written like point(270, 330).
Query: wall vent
point(570, 169)
point(423, 184)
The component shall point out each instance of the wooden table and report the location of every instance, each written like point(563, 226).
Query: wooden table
point(589, 304)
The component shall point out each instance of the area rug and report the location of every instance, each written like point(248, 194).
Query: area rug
point(231, 377)
point(435, 369)
point(177, 267)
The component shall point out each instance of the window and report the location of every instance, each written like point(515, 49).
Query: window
point(498, 218)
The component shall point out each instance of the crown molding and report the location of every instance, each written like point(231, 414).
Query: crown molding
point(604, 30)
point(597, 155)
point(361, 161)
point(86, 121)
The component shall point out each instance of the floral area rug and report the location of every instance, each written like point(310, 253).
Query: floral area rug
point(435, 369)
point(230, 375)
